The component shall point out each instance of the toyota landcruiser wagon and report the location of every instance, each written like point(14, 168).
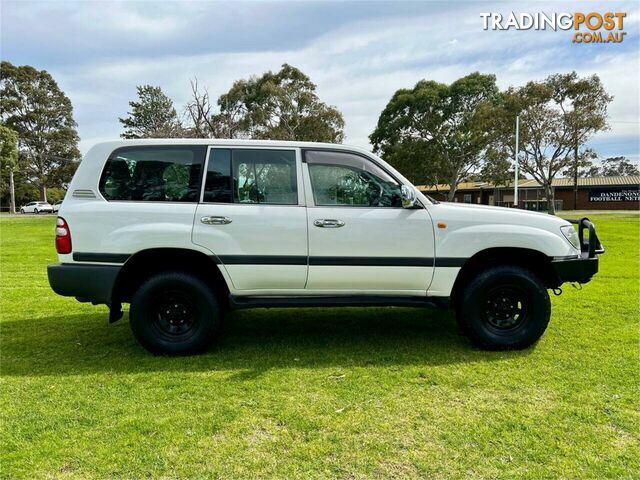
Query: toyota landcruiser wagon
point(184, 230)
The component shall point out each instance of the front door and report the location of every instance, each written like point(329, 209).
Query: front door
point(252, 217)
point(360, 237)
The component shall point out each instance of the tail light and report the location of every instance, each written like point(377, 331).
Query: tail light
point(63, 236)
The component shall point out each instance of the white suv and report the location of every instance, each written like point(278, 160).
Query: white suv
point(185, 229)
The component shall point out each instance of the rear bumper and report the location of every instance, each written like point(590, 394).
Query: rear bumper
point(579, 269)
point(86, 282)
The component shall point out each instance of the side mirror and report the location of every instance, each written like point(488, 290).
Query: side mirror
point(409, 197)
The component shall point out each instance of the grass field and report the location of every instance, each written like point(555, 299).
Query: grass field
point(331, 393)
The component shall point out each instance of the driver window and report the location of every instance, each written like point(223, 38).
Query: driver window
point(345, 179)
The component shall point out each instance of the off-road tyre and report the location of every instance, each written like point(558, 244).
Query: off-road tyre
point(504, 307)
point(175, 313)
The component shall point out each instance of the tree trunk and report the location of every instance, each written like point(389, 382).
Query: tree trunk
point(452, 192)
point(43, 192)
point(550, 194)
point(12, 193)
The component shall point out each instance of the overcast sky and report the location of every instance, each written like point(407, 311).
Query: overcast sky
point(358, 53)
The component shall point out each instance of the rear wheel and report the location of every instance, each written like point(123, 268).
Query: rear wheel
point(505, 307)
point(175, 313)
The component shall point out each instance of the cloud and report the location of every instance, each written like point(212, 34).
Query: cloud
point(357, 53)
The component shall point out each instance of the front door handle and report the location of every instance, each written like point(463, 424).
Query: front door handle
point(213, 220)
point(328, 223)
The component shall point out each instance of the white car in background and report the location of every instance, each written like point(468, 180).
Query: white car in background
point(56, 206)
point(37, 207)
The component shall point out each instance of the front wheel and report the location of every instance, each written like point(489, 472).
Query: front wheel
point(175, 313)
point(504, 307)
point(35, 211)
point(22, 211)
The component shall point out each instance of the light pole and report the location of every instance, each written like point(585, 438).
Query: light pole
point(575, 175)
point(515, 188)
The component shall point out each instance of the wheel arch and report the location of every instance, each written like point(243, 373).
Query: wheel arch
point(532, 260)
point(146, 263)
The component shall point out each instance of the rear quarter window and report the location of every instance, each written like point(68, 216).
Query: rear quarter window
point(153, 174)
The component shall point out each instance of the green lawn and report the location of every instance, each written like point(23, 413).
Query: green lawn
point(326, 393)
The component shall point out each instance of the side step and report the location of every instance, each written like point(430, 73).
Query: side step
point(240, 302)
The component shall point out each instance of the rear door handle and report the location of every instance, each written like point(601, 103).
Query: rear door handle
point(213, 220)
point(328, 223)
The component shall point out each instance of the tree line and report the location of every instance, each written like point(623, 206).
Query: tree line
point(466, 131)
point(39, 141)
point(434, 133)
point(277, 106)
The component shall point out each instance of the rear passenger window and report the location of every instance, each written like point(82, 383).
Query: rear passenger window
point(251, 176)
point(154, 174)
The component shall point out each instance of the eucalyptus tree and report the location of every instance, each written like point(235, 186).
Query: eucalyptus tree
point(432, 133)
point(152, 115)
point(279, 106)
point(558, 115)
point(33, 105)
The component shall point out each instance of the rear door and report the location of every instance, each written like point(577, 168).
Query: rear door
point(360, 237)
point(252, 217)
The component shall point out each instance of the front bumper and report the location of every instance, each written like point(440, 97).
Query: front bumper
point(86, 282)
point(581, 268)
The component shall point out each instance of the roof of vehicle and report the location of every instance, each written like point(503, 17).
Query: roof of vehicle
point(228, 141)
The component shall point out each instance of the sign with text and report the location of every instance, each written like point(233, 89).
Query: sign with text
point(588, 27)
point(620, 194)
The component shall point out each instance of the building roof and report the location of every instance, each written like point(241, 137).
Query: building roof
point(598, 181)
point(530, 183)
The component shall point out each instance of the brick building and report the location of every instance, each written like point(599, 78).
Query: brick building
point(593, 193)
